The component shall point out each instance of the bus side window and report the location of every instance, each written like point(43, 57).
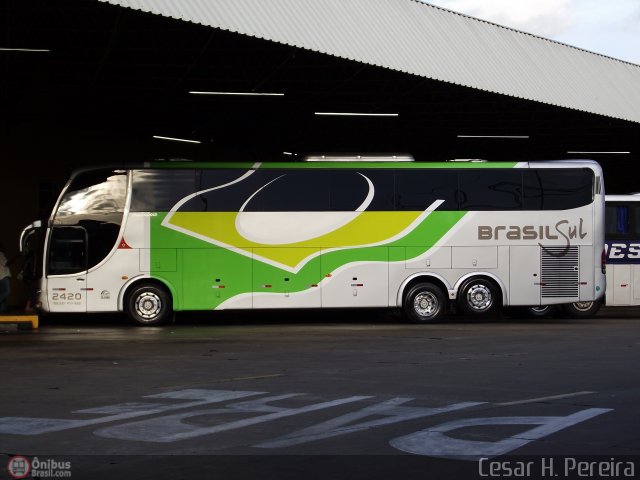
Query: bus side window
point(290, 191)
point(557, 188)
point(490, 189)
point(416, 190)
point(635, 221)
point(350, 189)
point(68, 250)
point(611, 220)
point(622, 220)
point(161, 190)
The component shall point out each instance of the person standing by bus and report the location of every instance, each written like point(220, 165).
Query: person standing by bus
point(5, 283)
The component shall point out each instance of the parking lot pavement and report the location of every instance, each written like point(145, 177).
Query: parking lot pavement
point(323, 393)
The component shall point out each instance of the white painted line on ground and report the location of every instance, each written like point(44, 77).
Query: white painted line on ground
point(542, 399)
point(435, 441)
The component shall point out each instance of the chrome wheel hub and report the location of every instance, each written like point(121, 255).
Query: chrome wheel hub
point(148, 305)
point(425, 304)
point(479, 298)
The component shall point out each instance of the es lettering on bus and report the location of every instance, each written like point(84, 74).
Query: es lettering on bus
point(621, 251)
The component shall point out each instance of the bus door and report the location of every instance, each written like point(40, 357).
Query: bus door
point(67, 269)
point(524, 278)
point(31, 249)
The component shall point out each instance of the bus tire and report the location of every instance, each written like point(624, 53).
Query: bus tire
point(478, 296)
point(424, 303)
point(542, 311)
point(149, 305)
point(582, 309)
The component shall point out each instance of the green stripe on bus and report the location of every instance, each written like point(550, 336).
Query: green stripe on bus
point(207, 275)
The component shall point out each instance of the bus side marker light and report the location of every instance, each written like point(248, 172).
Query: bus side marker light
point(124, 245)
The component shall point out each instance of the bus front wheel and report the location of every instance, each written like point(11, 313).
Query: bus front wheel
point(478, 296)
point(424, 303)
point(149, 305)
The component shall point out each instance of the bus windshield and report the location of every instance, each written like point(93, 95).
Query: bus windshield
point(94, 201)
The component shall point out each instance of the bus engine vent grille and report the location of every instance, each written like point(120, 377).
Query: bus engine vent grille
point(560, 272)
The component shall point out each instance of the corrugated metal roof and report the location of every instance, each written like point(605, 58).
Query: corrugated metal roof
point(421, 39)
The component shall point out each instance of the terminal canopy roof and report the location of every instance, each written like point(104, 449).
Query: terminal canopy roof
point(116, 73)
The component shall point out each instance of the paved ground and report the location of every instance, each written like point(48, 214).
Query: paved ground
point(323, 395)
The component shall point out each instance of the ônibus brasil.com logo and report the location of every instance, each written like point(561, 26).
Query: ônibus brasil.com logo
point(19, 467)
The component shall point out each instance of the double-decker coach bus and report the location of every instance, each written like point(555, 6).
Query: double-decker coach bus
point(421, 237)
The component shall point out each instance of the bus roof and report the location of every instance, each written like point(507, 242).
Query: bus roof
point(179, 164)
point(630, 197)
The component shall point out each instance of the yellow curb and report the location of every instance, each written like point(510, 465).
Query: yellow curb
point(12, 318)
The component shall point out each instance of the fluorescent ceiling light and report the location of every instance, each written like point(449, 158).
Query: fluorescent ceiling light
point(289, 153)
point(619, 153)
point(358, 158)
point(252, 94)
point(494, 136)
point(352, 114)
point(176, 139)
point(24, 49)
point(466, 160)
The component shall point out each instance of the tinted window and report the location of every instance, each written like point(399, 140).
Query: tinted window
point(160, 190)
point(292, 191)
point(346, 189)
point(32, 256)
point(351, 189)
point(102, 237)
point(635, 220)
point(557, 188)
point(97, 194)
point(67, 250)
point(490, 189)
point(616, 221)
point(418, 189)
point(622, 221)
point(95, 201)
point(224, 190)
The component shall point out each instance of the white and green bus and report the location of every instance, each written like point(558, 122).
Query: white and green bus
point(421, 237)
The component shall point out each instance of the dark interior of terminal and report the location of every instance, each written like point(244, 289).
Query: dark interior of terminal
point(84, 83)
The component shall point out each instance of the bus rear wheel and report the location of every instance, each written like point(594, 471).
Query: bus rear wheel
point(478, 296)
point(582, 309)
point(424, 303)
point(149, 305)
point(542, 311)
